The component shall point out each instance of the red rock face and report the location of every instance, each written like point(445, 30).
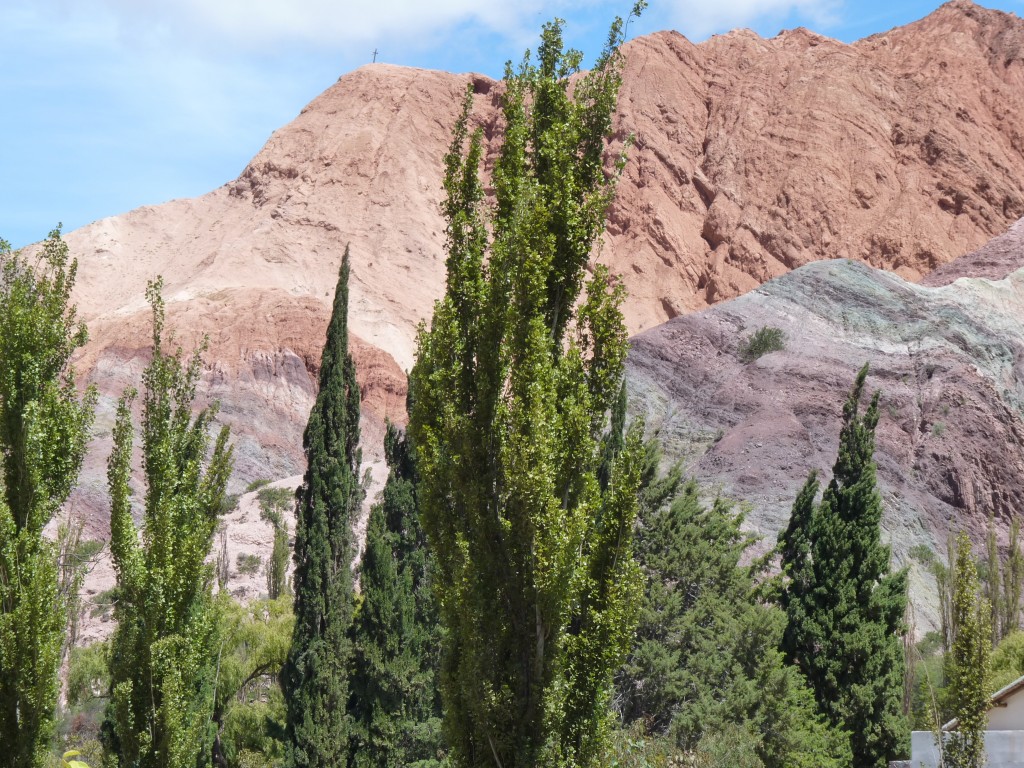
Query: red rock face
point(998, 258)
point(753, 157)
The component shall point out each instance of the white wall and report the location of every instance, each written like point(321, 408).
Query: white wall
point(1004, 749)
point(1010, 717)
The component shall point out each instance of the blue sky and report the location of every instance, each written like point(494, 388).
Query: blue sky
point(112, 104)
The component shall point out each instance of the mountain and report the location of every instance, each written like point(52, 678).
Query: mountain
point(754, 157)
point(750, 158)
point(948, 359)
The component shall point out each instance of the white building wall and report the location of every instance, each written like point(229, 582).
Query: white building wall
point(1004, 749)
point(1008, 718)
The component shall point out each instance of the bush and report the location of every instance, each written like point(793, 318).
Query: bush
point(923, 554)
point(255, 485)
point(274, 501)
point(762, 341)
point(1008, 660)
point(88, 676)
point(87, 549)
point(729, 746)
point(103, 603)
point(248, 564)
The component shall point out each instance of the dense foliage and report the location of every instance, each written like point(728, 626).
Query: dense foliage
point(249, 709)
point(163, 653)
point(315, 677)
point(968, 666)
point(706, 664)
point(396, 703)
point(535, 577)
point(844, 608)
point(274, 502)
point(44, 426)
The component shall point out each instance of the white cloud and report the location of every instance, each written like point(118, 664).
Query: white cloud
point(258, 26)
point(254, 24)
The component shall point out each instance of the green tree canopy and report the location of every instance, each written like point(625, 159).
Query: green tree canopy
point(844, 607)
point(249, 712)
point(395, 703)
point(44, 428)
point(512, 386)
point(163, 653)
point(315, 677)
point(706, 663)
point(968, 665)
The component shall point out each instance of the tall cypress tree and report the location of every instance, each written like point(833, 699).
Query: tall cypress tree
point(512, 386)
point(163, 653)
point(844, 608)
point(315, 678)
point(44, 427)
point(395, 703)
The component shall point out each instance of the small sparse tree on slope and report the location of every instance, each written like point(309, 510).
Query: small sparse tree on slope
point(163, 653)
point(844, 608)
point(315, 677)
point(44, 427)
point(513, 382)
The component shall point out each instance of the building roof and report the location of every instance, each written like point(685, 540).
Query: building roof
point(996, 699)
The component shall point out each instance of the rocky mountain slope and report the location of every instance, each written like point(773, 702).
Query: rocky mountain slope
point(752, 157)
point(948, 359)
point(903, 150)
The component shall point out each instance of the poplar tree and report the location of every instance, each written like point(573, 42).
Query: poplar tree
point(844, 607)
point(1013, 581)
point(993, 581)
point(968, 666)
point(513, 382)
point(395, 703)
point(315, 677)
point(44, 427)
point(163, 652)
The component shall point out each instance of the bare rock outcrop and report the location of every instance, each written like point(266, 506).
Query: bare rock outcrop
point(754, 157)
point(751, 158)
point(996, 259)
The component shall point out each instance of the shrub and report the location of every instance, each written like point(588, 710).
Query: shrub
point(103, 603)
point(248, 564)
point(762, 341)
point(88, 673)
point(255, 485)
point(87, 549)
point(922, 553)
point(273, 501)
